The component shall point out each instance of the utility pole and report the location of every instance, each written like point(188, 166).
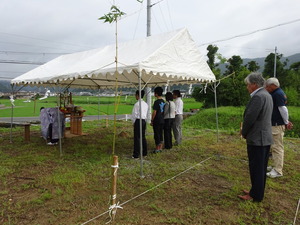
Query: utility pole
point(148, 89)
point(149, 18)
point(275, 60)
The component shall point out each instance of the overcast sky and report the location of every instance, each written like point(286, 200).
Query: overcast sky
point(39, 30)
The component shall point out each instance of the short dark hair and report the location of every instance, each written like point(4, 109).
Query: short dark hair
point(169, 96)
point(142, 93)
point(158, 91)
point(177, 93)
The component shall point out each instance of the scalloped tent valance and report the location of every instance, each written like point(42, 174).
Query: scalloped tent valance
point(172, 58)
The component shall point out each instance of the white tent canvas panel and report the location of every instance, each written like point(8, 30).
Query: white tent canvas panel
point(172, 58)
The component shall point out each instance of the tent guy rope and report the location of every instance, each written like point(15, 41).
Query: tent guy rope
point(151, 189)
point(295, 219)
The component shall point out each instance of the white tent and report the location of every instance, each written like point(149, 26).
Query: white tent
point(171, 58)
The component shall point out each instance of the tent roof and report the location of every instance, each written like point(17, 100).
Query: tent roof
point(172, 58)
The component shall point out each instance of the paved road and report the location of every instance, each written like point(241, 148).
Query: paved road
point(35, 119)
point(89, 118)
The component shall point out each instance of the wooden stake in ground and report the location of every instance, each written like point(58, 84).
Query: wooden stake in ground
point(114, 206)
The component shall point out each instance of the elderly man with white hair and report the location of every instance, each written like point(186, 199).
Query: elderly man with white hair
point(280, 122)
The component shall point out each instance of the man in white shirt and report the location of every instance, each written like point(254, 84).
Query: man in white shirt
point(178, 117)
point(136, 117)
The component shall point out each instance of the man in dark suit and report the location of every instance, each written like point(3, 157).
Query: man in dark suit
point(257, 130)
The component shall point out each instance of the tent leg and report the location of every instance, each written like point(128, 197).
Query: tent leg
point(99, 106)
point(59, 128)
point(59, 132)
point(12, 114)
point(148, 96)
point(141, 132)
point(216, 107)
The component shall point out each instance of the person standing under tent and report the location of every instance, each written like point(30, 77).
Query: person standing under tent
point(178, 117)
point(280, 122)
point(136, 116)
point(51, 122)
point(257, 130)
point(157, 120)
point(169, 117)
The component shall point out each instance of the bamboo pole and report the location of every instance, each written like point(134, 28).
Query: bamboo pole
point(34, 105)
point(114, 186)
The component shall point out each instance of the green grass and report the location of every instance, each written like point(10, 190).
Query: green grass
point(90, 104)
point(37, 183)
point(230, 119)
point(38, 186)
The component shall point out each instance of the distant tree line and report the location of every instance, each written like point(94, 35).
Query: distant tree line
point(232, 90)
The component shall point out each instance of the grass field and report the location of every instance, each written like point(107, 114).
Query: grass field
point(90, 104)
point(195, 183)
point(230, 119)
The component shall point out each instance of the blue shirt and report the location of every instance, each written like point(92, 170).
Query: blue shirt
point(279, 99)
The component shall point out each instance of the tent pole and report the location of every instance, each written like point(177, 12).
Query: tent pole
point(216, 107)
point(168, 86)
point(148, 96)
point(59, 127)
point(12, 113)
point(99, 105)
point(148, 89)
point(141, 133)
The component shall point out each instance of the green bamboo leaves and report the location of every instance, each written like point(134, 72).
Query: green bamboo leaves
point(114, 14)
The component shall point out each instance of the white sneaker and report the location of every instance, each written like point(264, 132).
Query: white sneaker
point(269, 168)
point(274, 174)
point(50, 143)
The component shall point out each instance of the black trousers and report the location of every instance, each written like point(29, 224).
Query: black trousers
point(158, 130)
point(136, 131)
point(258, 161)
point(168, 133)
point(50, 129)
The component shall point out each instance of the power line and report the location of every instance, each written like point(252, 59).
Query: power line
point(1, 71)
point(34, 53)
point(251, 32)
point(21, 62)
point(162, 14)
point(170, 15)
point(230, 46)
point(153, 13)
point(40, 39)
point(156, 3)
point(6, 78)
point(131, 14)
point(138, 11)
point(64, 43)
point(40, 46)
point(137, 21)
